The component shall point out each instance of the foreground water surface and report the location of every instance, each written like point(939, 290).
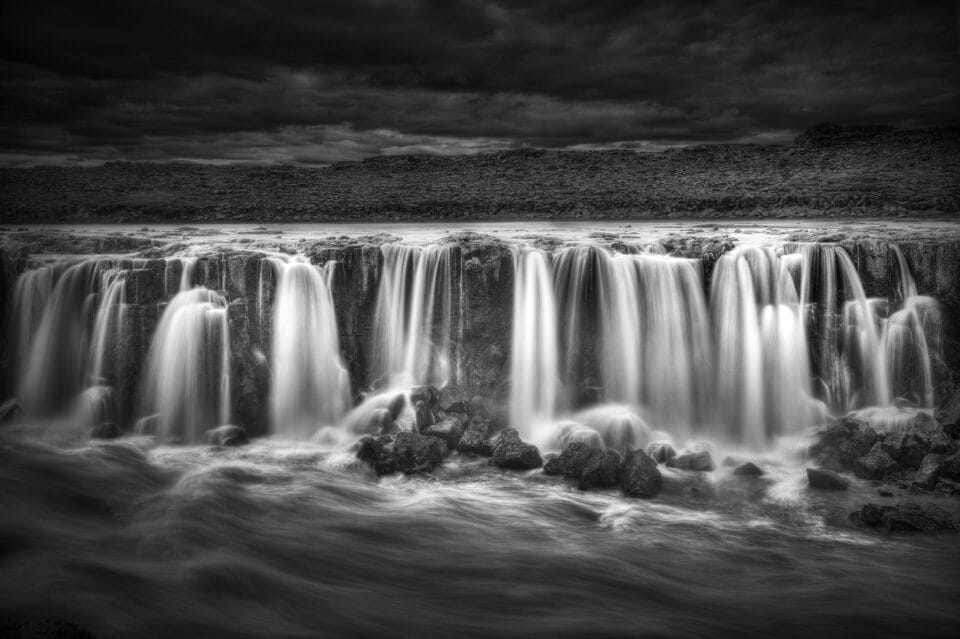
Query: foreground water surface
point(292, 540)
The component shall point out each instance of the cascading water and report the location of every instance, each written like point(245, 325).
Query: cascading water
point(414, 310)
point(186, 388)
point(534, 377)
point(310, 387)
point(784, 333)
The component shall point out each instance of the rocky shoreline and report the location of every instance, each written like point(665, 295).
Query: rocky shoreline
point(829, 171)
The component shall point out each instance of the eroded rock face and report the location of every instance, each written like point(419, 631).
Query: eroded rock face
point(10, 410)
point(509, 451)
point(639, 475)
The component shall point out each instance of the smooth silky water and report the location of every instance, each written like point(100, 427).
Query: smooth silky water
point(156, 534)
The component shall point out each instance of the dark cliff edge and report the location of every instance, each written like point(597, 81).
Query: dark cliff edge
point(828, 171)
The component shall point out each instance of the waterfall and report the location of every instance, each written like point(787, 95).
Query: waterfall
point(414, 311)
point(56, 368)
point(186, 389)
point(310, 387)
point(534, 380)
point(108, 322)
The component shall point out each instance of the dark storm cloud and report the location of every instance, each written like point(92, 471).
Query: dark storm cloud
point(319, 81)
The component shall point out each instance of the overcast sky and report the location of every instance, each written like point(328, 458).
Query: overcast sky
point(317, 82)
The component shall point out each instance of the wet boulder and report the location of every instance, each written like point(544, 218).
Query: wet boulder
point(106, 430)
point(602, 471)
point(405, 452)
point(748, 469)
point(875, 464)
point(10, 411)
point(450, 429)
point(908, 516)
point(661, 452)
point(823, 479)
point(509, 451)
point(701, 461)
point(572, 462)
point(476, 438)
point(836, 433)
point(921, 441)
point(227, 435)
point(639, 475)
point(856, 446)
point(892, 444)
point(929, 472)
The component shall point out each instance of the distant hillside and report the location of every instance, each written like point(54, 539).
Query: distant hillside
point(829, 170)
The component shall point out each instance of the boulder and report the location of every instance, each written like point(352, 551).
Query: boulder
point(748, 469)
point(906, 516)
point(823, 479)
point(836, 433)
point(692, 461)
point(919, 442)
point(661, 452)
point(892, 444)
point(404, 452)
point(476, 438)
point(106, 430)
point(10, 411)
point(950, 467)
point(857, 445)
point(929, 472)
point(509, 451)
point(876, 464)
point(450, 429)
point(572, 462)
point(639, 475)
point(948, 488)
point(227, 435)
point(602, 471)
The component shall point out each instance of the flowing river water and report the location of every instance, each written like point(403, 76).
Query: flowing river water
point(153, 534)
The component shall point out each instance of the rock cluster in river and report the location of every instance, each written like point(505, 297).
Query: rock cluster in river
point(922, 459)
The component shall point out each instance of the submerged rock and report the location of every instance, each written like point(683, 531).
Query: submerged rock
point(639, 475)
point(476, 438)
point(509, 451)
point(907, 516)
point(227, 435)
point(661, 452)
point(450, 429)
point(10, 411)
point(602, 471)
point(701, 461)
point(876, 464)
point(748, 469)
point(106, 430)
point(824, 479)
